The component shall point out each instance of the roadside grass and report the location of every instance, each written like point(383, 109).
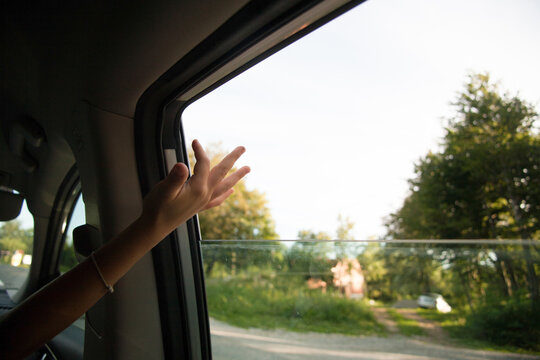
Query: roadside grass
point(455, 325)
point(407, 327)
point(264, 304)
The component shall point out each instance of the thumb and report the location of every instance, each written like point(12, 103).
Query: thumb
point(176, 179)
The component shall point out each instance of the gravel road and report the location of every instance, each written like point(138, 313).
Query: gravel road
point(12, 277)
point(232, 343)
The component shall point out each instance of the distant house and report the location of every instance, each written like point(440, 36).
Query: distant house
point(349, 277)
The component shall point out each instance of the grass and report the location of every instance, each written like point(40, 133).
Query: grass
point(455, 325)
point(286, 303)
point(407, 327)
point(264, 304)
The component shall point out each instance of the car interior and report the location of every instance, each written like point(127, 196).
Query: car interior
point(91, 100)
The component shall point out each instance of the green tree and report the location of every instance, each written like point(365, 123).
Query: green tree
point(310, 257)
point(312, 235)
point(343, 248)
point(243, 216)
point(14, 237)
point(68, 258)
point(314, 254)
point(374, 265)
point(484, 183)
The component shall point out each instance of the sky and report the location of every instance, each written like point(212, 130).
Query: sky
point(334, 123)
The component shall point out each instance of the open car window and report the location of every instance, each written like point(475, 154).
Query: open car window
point(68, 256)
point(394, 188)
point(16, 249)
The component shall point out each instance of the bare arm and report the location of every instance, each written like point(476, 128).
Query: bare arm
point(170, 203)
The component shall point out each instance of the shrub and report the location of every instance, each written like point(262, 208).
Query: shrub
point(508, 324)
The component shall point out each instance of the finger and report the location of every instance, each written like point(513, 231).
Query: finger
point(230, 181)
point(220, 170)
point(218, 200)
point(198, 181)
point(202, 165)
point(175, 180)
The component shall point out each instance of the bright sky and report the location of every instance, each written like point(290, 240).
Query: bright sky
point(334, 123)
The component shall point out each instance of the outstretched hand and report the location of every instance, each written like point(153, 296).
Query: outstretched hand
point(175, 199)
point(170, 203)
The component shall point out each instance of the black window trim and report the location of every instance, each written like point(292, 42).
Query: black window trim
point(158, 131)
point(61, 213)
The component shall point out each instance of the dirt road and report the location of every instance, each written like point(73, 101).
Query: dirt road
point(232, 343)
point(433, 331)
point(12, 277)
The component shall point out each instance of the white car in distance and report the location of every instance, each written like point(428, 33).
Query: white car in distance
point(434, 301)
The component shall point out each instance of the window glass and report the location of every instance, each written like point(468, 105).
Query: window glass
point(335, 123)
point(68, 258)
point(16, 247)
point(376, 300)
point(394, 188)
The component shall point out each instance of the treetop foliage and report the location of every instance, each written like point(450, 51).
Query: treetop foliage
point(14, 237)
point(485, 182)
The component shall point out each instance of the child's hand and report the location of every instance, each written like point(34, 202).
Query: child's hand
point(173, 200)
point(170, 203)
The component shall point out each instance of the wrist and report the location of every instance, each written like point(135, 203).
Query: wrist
point(155, 227)
point(150, 228)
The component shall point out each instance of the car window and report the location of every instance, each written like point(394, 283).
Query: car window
point(393, 191)
point(298, 298)
point(16, 248)
point(68, 258)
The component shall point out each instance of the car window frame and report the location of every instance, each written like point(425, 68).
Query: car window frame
point(255, 32)
point(61, 213)
point(68, 226)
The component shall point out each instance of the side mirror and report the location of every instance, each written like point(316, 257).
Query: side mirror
point(10, 205)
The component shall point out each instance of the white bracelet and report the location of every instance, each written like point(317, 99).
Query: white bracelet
point(109, 287)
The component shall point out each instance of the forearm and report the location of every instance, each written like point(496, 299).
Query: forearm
point(61, 302)
point(115, 258)
point(49, 311)
point(170, 203)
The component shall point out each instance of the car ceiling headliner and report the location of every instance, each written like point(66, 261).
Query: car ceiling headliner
point(56, 55)
point(105, 53)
